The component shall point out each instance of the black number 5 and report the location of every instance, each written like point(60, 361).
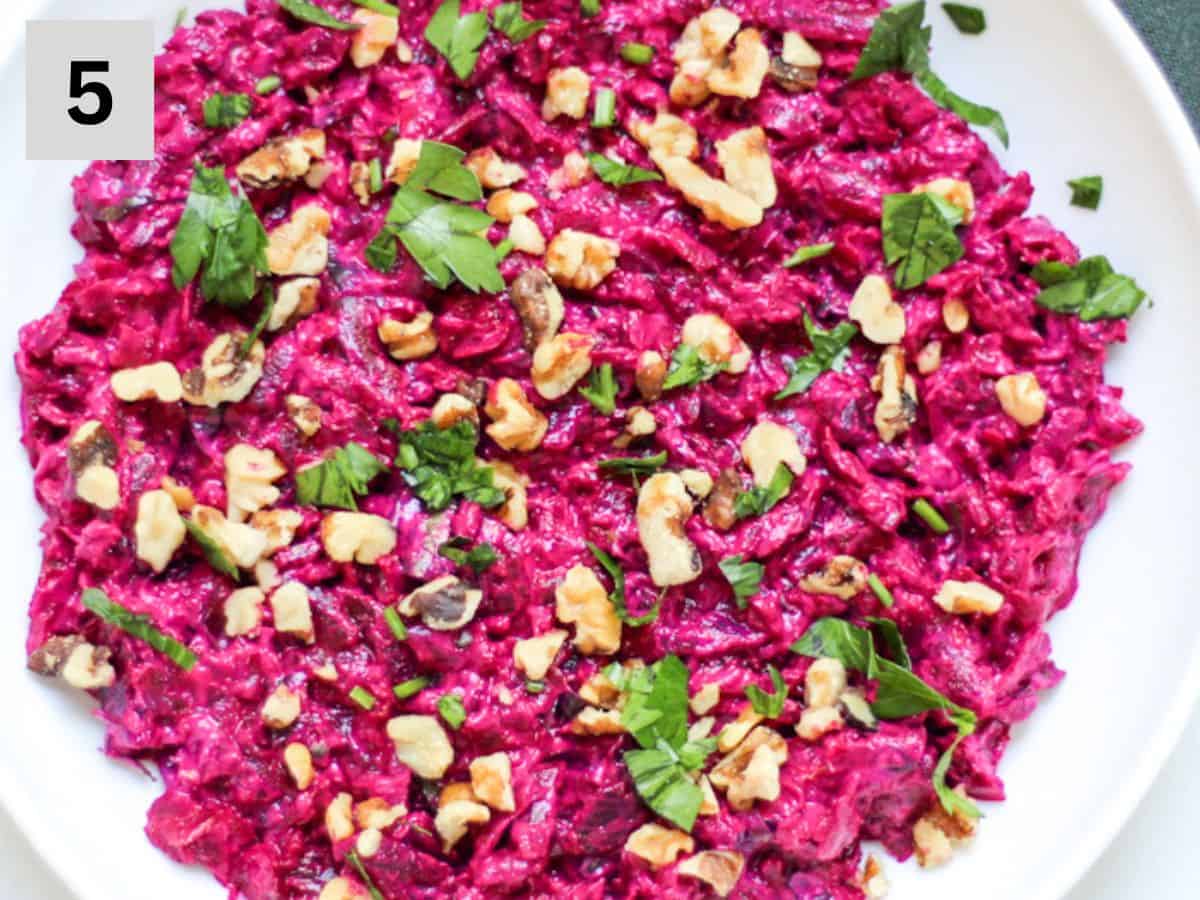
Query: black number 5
point(81, 88)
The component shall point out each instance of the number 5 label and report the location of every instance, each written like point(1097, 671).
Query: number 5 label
point(89, 90)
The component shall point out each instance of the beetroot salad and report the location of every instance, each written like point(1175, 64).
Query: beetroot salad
point(566, 449)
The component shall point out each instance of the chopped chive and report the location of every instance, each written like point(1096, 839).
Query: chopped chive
point(376, 172)
point(930, 516)
point(638, 54)
point(589, 7)
point(180, 17)
point(804, 254)
point(410, 688)
point(268, 85)
point(395, 623)
point(450, 708)
point(355, 861)
point(535, 687)
point(362, 697)
point(881, 591)
point(605, 112)
point(139, 626)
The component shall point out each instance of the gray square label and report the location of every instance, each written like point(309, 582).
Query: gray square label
point(89, 90)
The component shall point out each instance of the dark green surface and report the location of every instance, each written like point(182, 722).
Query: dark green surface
point(1172, 29)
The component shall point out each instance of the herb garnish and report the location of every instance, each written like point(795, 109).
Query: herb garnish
point(268, 84)
point(410, 688)
point(339, 478)
point(830, 350)
point(744, 577)
point(634, 465)
point(601, 391)
point(139, 626)
point(637, 54)
point(619, 173)
point(875, 583)
point(479, 557)
point(1092, 290)
point(604, 110)
point(357, 862)
point(314, 15)
point(395, 624)
point(1087, 191)
point(689, 368)
point(362, 697)
point(226, 110)
point(967, 19)
point(450, 708)
point(770, 705)
point(216, 554)
point(760, 500)
point(379, 6)
point(260, 324)
point(918, 236)
point(804, 254)
point(589, 8)
point(617, 595)
point(439, 464)
point(457, 39)
point(509, 20)
point(929, 514)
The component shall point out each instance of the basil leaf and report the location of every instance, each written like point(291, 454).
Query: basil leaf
point(479, 557)
point(619, 173)
point(379, 6)
point(769, 706)
point(688, 368)
point(664, 786)
point(601, 391)
point(744, 577)
point(617, 595)
point(804, 254)
point(634, 465)
point(226, 110)
point(450, 708)
point(967, 19)
point(952, 802)
point(975, 113)
point(839, 639)
point(1087, 191)
point(1091, 289)
point(830, 350)
point(357, 862)
point(457, 39)
point(338, 479)
point(314, 15)
point(440, 464)
point(139, 626)
point(509, 19)
point(657, 706)
point(918, 236)
point(760, 500)
point(893, 640)
point(214, 552)
point(439, 169)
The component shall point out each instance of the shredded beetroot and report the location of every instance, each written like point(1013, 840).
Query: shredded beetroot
point(1020, 500)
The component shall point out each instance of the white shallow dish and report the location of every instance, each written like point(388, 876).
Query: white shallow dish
point(1082, 96)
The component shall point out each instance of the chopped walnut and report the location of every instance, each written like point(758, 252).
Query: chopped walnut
point(843, 577)
point(966, 597)
point(491, 780)
point(339, 824)
point(735, 732)
point(282, 159)
point(90, 445)
point(421, 744)
point(300, 246)
point(516, 423)
point(372, 41)
point(667, 136)
point(184, 499)
point(716, 342)
point(719, 869)
point(573, 172)
point(767, 446)
point(1022, 398)
point(744, 69)
point(874, 882)
point(100, 486)
point(298, 760)
point(700, 48)
point(305, 414)
point(650, 374)
point(639, 423)
point(814, 724)
point(159, 381)
point(896, 410)
point(454, 819)
point(515, 511)
point(534, 656)
point(491, 170)
point(291, 611)
point(929, 360)
point(279, 526)
point(581, 260)
point(526, 237)
point(360, 537)
point(50, 658)
point(87, 668)
point(597, 723)
point(746, 161)
point(567, 93)
point(243, 544)
point(368, 842)
point(713, 197)
point(706, 698)
point(937, 833)
point(582, 600)
point(560, 362)
point(450, 409)
point(378, 814)
point(506, 204)
point(953, 191)
point(225, 374)
point(657, 845)
point(282, 708)
point(250, 474)
point(824, 682)
point(444, 604)
point(796, 69)
point(159, 530)
point(956, 316)
point(872, 307)
point(539, 306)
point(406, 152)
point(719, 508)
point(663, 508)
point(243, 611)
point(360, 181)
point(295, 299)
point(751, 771)
point(342, 888)
point(409, 340)
point(698, 482)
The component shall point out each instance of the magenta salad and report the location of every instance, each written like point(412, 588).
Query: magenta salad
point(578, 448)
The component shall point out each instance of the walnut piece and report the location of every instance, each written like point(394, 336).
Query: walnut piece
point(421, 744)
point(896, 410)
point(843, 577)
point(582, 600)
point(880, 317)
point(767, 446)
point(567, 93)
point(282, 159)
point(243, 611)
point(716, 342)
point(250, 474)
point(491, 780)
point(966, 597)
point(298, 760)
point(746, 161)
point(291, 611)
point(409, 340)
point(534, 656)
point(560, 362)
point(663, 508)
point(526, 237)
point(667, 135)
point(516, 423)
point(300, 246)
point(657, 845)
point(159, 381)
point(515, 511)
point(650, 374)
point(581, 260)
point(713, 197)
point(719, 869)
point(295, 299)
point(371, 42)
point(225, 374)
point(444, 604)
point(1022, 398)
point(539, 306)
point(506, 204)
point(955, 192)
point(282, 708)
point(744, 69)
point(305, 414)
point(751, 771)
point(491, 170)
point(360, 537)
point(159, 530)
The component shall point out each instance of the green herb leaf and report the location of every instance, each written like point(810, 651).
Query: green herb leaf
point(601, 391)
point(760, 500)
point(268, 85)
point(410, 688)
point(918, 234)
point(379, 6)
point(604, 110)
point(769, 706)
point(744, 577)
point(688, 368)
point(975, 113)
point(929, 514)
point(589, 8)
point(880, 590)
point(662, 783)
point(804, 254)
point(361, 869)
point(617, 595)
point(338, 479)
point(314, 15)
point(637, 54)
point(1092, 289)
point(395, 624)
point(440, 464)
point(217, 556)
point(830, 350)
point(509, 19)
point(634, 465)
point(139, 626)
point(837, 638)
point(457, 39)
point(657, 706)
point(375, 175)
point(1087, 191)
point(619, 173)
point(479, 558)
point(450, 708)
point(440, 169)
point(952, 802)
point(362, 697)
point(967, 19)
point(263, 318)
point(892, 640)
point(226, 110)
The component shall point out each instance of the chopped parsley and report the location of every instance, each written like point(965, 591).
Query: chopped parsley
point(744, 577)
point(604, 109)
point(689, 368)
point(634, 465)
point(637, 54)
point(450, 708)
point(589, 8)
point(830, 350)
point(617, 595)
point(804, 254)
point(1087, 191)
point(314, 15)
point(619, 173)
point(760, 500)
point(919, 237)
point(929, 514)
point(1091, 290)
point(601, 391)
point(338, 479)
point(139, 626)
point(410, 688)
point(769, 706)
point(226, 110)
point(439, 464)
point(457, 38)
point(479, 558)
point(363, 697)
point(509, 20)
point(967, 19)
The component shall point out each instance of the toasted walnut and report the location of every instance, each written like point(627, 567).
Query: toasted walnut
point(243, 544)
point(874, 882)
point(159, 381)
point(491, 170)
point(539, 305)
point(371, 42)
point(409, 340)
point(360, 181)
point(339, 824)
point(305, 414)
point(896, 410)
point(639, 423)
point(706, 698)
point(444, 604)
point(266, 574)
point(872, 307)
point(667, 136)
point(456, 792)
point(184, 499)
point(515, 511)
point(282, 708)
point(708, 798)
point(516, 423)
point(745, 68)
point(582, 600)
point(534, 656)
point(746, 161)
point(581, 260)
point(797, 67)
point(663, 507)
point(526, 237)
point(657, 845)
point(956, 316)
point(953, 191)
point(751, 771)
point(599, 690)
point(719, 509)
point(421, 744)
point(929, 360)
point(843, 577)
point(965, 597)
point(378, 813)
point(716, 342)
point(159, 529)
point(368, 842)
point(814, 724)
point(291, 611)
point(100, 486)
point(506, 204)
point(298, 760)
point(650, 374)
point(566, 93)
point(735, 732)
point(597, 723)
point(1022, 398)
point(341, 888)
point(282, 159)
point(698, 482)
point(50, 658)
point(573, 172)
point(225, 374)
point(454, 819)
point(824, 682)
point(769, 445)
point(87, 668)
point(243, 611)
point(406, 152)
point(698, 50)
point(560, 362)
point(717, 200)
point(360, 537)
point(319, 173)
point(300, 246)
point(249, 476)
point(689, 87)
point(279, 526)
point(450, 409)
point(937, 833)
point(90, 445)
point(491, 780)
point(295, 299)
point(719, 869)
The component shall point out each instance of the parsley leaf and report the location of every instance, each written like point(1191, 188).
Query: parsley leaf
point(967, 19)
point(440, 169)
point(760, 500)
point(617, 595)
point(618, 172)
point(314, 15)
point(689, 368)
point(662, 783)
point(1092, 290)
point(744, 577)
point(339, 478)
point(1087, 191)
point(657, 707)
point(450, 708)
point(439, 465)
point(216, 554)
point(768, 705)
point(378, 6)
point(479, 557)
point(830, 350)
point(918, 236)
point(261, 323)
point(226, 110)
point(509, 19)
point(634, 465)
point(222, 233)
point(457, 39)
point(804, 254)
point(139, 626)
point(601, 391)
